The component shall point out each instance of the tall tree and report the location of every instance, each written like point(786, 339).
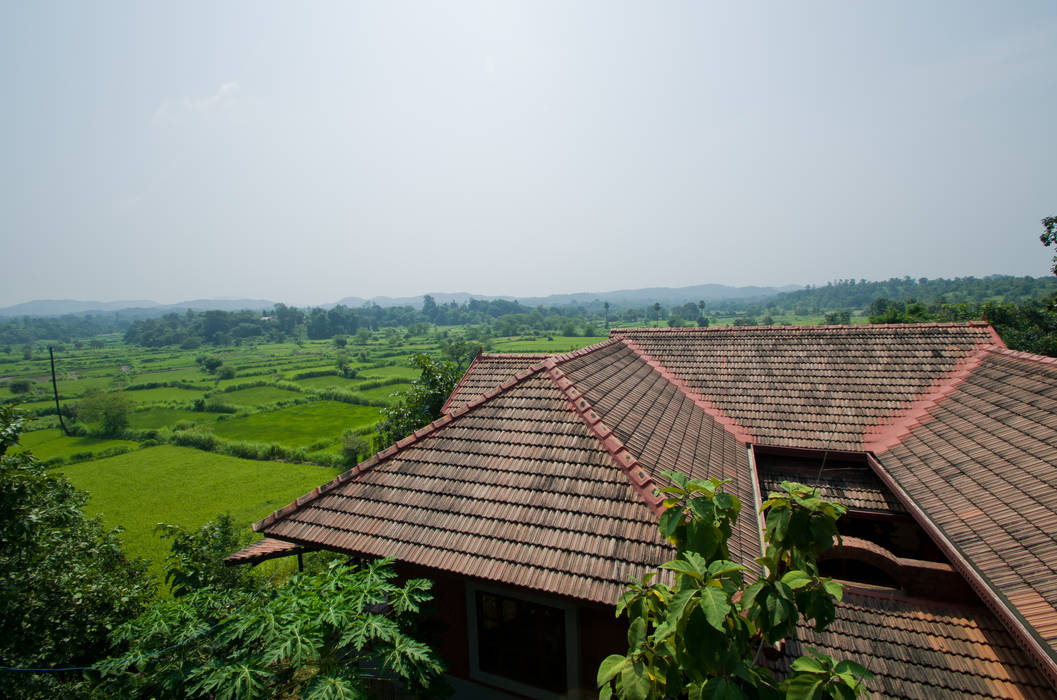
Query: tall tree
point(1049, 236)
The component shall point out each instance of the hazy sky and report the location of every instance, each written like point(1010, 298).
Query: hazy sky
point(303, 152)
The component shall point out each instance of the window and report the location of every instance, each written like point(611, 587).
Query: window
point(522, 642)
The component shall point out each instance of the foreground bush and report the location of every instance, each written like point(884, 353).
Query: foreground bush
point(321, 635)
point(64, 581)
point(704, 636)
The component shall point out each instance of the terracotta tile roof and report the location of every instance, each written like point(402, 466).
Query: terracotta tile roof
point(815, 387)
point(666, 429)
point(486, 372)
point(545, 480)
point(534, 484)
point(923, 649)
point(262, 550)
point(982, 466)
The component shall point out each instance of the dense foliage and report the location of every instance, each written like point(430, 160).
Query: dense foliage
point(1049, 236)
point(704, 635)
point(858, 294)
point(27, 329)
point(64, 581)
point(422, 402)
point(195, 560)
point(319, 635)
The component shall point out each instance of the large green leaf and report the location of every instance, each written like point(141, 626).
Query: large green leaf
point(714, 603)
point(610, 667)
point(636, 632)
point(635, 681)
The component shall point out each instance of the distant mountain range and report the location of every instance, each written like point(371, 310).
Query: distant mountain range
point(61, 307)
point(624, 297)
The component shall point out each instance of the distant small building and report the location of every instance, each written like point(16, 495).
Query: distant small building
point(531, 501)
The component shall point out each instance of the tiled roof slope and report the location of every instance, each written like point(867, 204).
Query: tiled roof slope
point(667, 430)
point(486, 372)
point(533, 484)
point(514, 488)
point(982, 465)
point(923, 649)
point(814, 387)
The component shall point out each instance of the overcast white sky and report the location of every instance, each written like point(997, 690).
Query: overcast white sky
point(303, 152)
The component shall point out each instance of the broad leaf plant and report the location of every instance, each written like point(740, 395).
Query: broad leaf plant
point(707, 634)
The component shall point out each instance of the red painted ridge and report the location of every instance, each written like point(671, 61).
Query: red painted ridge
point(400, 445)
point(639, 479)
point(740, 434)
point(891, 432)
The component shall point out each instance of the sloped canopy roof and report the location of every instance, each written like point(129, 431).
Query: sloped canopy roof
point(531, 484)
point(546, 480)
point(921, 649)
point(818, 387)
point(982, 466)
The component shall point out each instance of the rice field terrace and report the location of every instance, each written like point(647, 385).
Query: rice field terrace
point(242, 429)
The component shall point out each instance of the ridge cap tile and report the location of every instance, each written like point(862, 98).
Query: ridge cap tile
point(895, 427)
point(640, 481)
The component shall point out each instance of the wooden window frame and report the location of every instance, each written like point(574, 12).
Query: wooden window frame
point(572, 643)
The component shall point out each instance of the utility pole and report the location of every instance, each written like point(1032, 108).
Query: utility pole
point(55, 391)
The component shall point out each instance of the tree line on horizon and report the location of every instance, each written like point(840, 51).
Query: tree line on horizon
point(1003, 300)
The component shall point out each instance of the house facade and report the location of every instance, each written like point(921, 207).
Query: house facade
point(531, 502)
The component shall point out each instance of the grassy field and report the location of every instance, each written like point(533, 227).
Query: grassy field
point(255, 396)
point(167, 483)
point(382, 393)
point(186, 487)
point(298, 426)
point(557, 343)
point(49, 443)
point(161, 416)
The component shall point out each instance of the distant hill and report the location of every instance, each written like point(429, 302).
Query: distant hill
point(136, 309)
point(61, 307)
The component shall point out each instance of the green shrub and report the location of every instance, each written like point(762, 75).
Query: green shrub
point(19, 386)
point(196, 438)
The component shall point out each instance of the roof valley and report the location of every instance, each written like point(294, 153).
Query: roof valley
point(900, 424)
point(740, 433)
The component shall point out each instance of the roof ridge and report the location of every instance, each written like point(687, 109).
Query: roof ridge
point(889, 433)
point(639, 479)
point(586, 350)
point(399, 445)
point(1022, 355)
point(614, 332)
point(447, 402)
point(518, 355)
point(714, 412)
